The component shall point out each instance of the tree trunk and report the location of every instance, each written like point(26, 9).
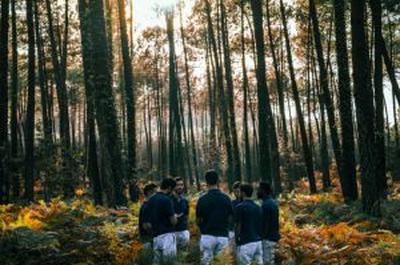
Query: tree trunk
point(189, 101)
point(380, 158)
point(30, 116)
point(14, 103)
point(245, 85)
point(59, 75)
point(269, 154)
point(230, 93)
point(129, 103)
point(92, 169)
point(306, 148)
point(221, 94)
point(364, 108)
point(105, 106)
point(349, 184)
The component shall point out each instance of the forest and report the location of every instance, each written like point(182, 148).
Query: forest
point(100, 97)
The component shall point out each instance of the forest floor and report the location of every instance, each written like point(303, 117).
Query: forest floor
point(316, 229)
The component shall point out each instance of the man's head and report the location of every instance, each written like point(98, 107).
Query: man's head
point(180, 185)
point(203, 186)
point(211, 178)
point(168, 185)
point(246, 191)
point(236, 189)
point(149, 190)
point(264, 190)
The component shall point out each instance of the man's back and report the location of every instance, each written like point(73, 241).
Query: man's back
point(213, 212)
point(248, 217)
point(160, 208)
point(270, 220)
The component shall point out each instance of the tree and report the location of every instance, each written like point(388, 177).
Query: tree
point(14, 102)
point(364, 108)
point(381, 180)
point(5, 6)
point(92, 168)
point(106, 116)
point(267, 131)
point(306, 148)
point(349, 184)
point(129, 102)
point(30, 116)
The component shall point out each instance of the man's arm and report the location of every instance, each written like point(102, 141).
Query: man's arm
point(237, 223)
point(199, 212)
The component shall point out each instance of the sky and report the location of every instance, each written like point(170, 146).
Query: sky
point(145, 13)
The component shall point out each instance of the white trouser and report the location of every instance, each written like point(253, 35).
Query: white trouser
point(182, 238)
point(211, 246)
point(250, 252)
point(164, 247)
point(269, 252)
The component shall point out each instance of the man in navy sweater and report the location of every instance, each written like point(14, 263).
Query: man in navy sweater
point(270, 221)
point(182, 210)
point(214, 213)
point(144, 215)
point(163, 220)
point(248, 217)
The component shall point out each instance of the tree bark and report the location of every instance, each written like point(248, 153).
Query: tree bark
point(364, 108)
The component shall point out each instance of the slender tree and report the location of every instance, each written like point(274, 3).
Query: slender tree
point(305, 144)
point(106, 115)
point(30, 116)
point(267, 131)
point(381, 180)
point(129, 101)
point(364, 108)
point(349, 184)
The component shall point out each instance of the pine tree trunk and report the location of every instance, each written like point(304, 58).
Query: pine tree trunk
point(14, 103)
point(106, 115)
point(230, 93)
point(381, 180)
point(129, 103)
point(245, 85)
point(92, 169)
point(306, 148)
point(349, 187)
point(4, 26)
point(30, 115)
point(364, 108)
point(269, 154)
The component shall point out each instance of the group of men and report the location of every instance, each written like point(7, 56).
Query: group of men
point(242, 224)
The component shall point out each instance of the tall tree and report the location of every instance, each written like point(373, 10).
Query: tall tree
point(305, 144)
point(106, 115)
point(245, 86)
point(129, 101)
point(4, 25)
point(349, 183)
point(175, 131)
point(324, 85)
point(230, 93)
point(381, 181)
point(364, 108)
point(30, 116)
point(219, 84)
point(92, 168)
point(59, 66)
point(14, 101)
point(267, 131)
point(189, 98)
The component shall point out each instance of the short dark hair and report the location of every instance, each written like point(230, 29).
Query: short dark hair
point(265, 187)
point(168, 183)
point(211, 177)
point(150, 187)
point(178, 179)
point(236, 185)
point(247, 189)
